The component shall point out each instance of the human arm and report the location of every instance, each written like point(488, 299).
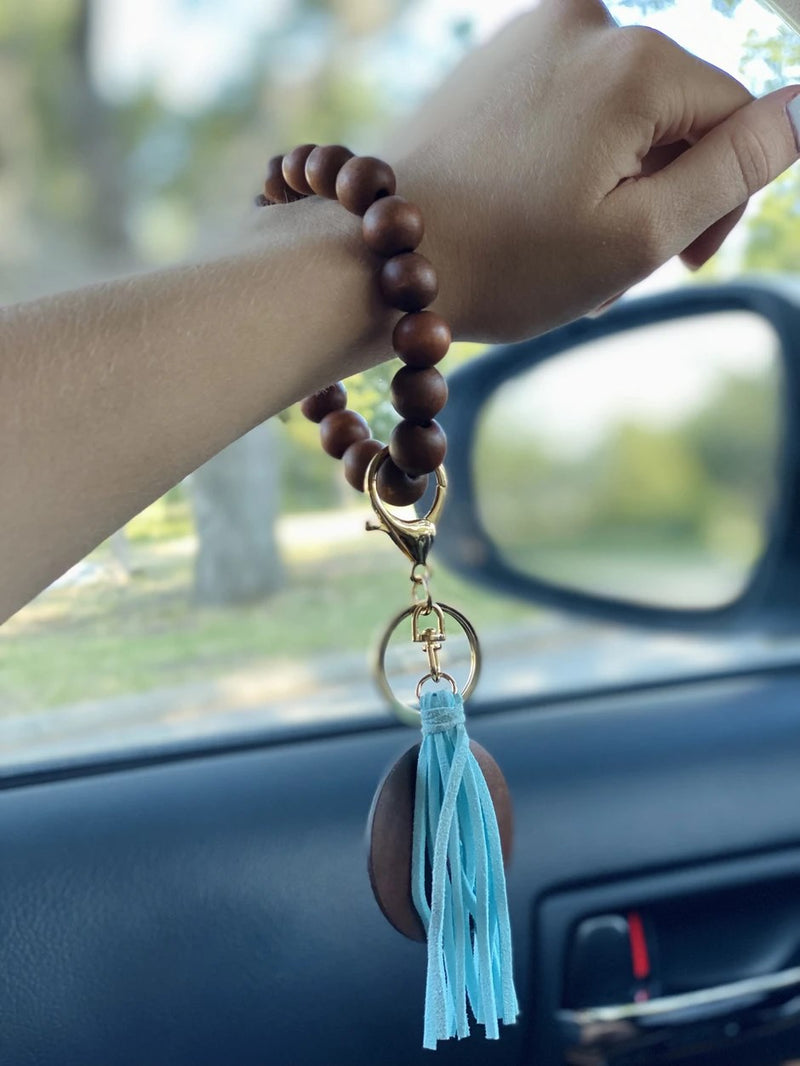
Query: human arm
point(545, 192)
point(111, 394)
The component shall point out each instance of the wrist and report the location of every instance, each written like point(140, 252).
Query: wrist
point(444, 243)
point(381, 240)
point(321, 246)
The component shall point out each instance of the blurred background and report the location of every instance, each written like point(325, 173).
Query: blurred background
point(134, 134)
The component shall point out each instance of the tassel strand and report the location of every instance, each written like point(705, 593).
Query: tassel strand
point(458, 881)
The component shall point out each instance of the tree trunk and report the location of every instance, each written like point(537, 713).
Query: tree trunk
point(234, 498)
point(96, 139)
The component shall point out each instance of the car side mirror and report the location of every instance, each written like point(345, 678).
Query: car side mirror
point(639, 467)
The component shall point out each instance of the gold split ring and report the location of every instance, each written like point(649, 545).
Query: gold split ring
point(408, 714)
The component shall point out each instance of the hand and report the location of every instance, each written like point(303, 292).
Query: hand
point(569, 158)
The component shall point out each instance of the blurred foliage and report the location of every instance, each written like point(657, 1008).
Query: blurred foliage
point(725, 7)
point(779, 54)
point(642, 476)
point(773, 233)
point(169, 518)
point(168, 166)
point(707, 481)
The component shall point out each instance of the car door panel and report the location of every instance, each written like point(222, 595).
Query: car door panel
point(216, 908)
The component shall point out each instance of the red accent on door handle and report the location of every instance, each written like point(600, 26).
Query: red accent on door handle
point(640, 957)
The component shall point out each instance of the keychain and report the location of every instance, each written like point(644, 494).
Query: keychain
point(440, 826)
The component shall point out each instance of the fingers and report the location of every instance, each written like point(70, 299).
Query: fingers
point(710, 241)
point(713, 178)
point(678, 96)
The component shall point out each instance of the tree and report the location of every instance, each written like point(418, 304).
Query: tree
point(234, 498)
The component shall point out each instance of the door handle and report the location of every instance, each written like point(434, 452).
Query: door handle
point(704, 1002)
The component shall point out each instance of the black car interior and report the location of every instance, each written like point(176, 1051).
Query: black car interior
point(213, 907)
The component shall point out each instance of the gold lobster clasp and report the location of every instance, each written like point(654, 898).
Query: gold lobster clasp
point(414, 537)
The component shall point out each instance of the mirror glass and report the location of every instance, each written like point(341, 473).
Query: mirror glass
point(641, 466)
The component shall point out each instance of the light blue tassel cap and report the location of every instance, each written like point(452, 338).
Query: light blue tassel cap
point(456, 841)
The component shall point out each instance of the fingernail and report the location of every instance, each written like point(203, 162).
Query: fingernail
point(793, 111)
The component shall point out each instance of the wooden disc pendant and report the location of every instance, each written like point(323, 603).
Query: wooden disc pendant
point(390, 830)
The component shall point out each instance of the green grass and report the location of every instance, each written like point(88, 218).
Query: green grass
point(166, 519)
point(104, 640)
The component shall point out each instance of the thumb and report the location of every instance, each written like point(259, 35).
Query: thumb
point(710, 241)
point(720, 171)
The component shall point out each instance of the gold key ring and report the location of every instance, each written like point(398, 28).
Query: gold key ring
point(408, 714)
point(441, 677)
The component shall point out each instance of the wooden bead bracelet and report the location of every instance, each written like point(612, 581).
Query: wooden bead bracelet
point(440, 791)
point(392, 229)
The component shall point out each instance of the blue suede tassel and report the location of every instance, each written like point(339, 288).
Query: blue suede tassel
point(463, 908)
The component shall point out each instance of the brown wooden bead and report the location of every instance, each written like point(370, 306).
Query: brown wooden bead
point(392, 225)
point(408, 281)
point(340, 429)
point(418, 395)
point(363, 180)
point(417, 448)
point(294, 169)
point(390, 831)
point(275, 187)
point(398, 489)
point(356, 460)
point(421, 339)
point(321, 403)
point(322, 167)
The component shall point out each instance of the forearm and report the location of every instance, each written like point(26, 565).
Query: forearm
point(111, 395)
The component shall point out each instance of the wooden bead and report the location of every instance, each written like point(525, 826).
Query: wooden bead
point(421, 339)
point(408, 281)
point(392, 225)
point(363, 180)
point(417, 448)
point(322, 167)
point(321, 403)
point(418, 395)
point(356, 460)
point(398, 489)
point(340, 429)
point(275, 187)
point(294, 169)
